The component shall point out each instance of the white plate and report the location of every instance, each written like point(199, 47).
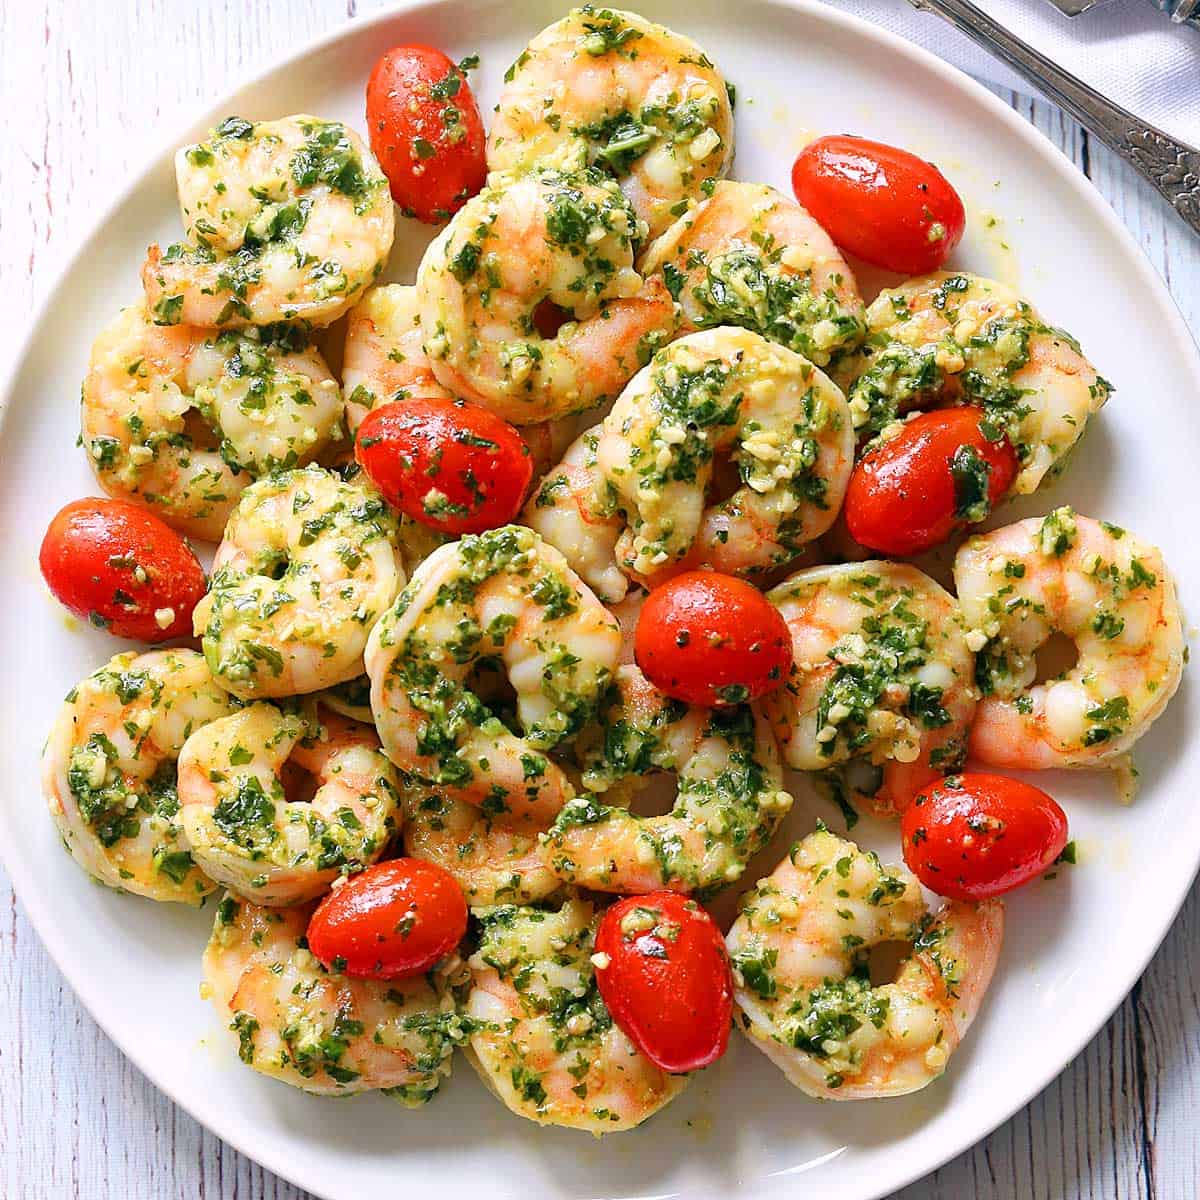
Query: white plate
point(1075, 945)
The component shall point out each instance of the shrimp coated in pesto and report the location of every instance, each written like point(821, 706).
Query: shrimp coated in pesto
point(504, 597)
point(241, 825)
point(1108, 592)
point(183, 419)
point(530, 302)
point(319, 1030)
point(724, 391)
point(882, 690)
point(730, 796)
point(307, 566)
point(109, 770)
point(286, 220)
point(748, 256)
point(802, 984)
point(609, 89)
point(955, 338)
point(541, 1037)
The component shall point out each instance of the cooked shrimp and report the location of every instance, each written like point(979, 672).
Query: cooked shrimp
point(183, 419)
point(729, 803)
point(1112, 596)
point(565, 509)
point(784, 424)
point(613, 90)
point(495, 858)
point(883, 682)
point(285, 220)
point(749, 256)
point(803, 988)
point(384, 361)
point(245, 831)
point(959, 338)
point(501, 595)
point(109, 774)
point(518, 250)
point(320, 1031)
point(542, 1039)
point(306, 567)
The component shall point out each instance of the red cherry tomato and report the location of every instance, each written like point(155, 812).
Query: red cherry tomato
point(123, 569)
point(879, 202)
point(710, 639)
point(974, 836)
point(938, 473)
point(667, 982)
point(392, 921)
point(426, 131)
point(450, 465)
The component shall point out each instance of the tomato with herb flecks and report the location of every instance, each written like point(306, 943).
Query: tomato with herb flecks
point(450, 465)
point(879, 202)
point(939, 472)
point(394, 920)
point(664, 975)
point(426, 131)
point(711, 639)
point(974, 835)
point(122, 568)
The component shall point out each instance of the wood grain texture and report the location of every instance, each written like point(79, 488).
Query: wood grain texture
point(84, 89)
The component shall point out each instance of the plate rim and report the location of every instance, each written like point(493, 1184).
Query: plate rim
point(24, 887)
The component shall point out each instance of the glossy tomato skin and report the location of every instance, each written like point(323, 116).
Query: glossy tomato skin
point(712, 639)
point(938, 473)
point(879, 202)
point(972, 836)
point(122, 568)
point(452, 466)
point(667, 981)
point(426, 131)
point(394, 920)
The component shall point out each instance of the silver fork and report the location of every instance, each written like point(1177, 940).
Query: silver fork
point(1179, 10)
point(1172, 166)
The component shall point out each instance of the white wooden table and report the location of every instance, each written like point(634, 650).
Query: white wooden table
point(84, 89)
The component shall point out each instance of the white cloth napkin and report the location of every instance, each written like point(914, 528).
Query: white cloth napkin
point(1127, 49)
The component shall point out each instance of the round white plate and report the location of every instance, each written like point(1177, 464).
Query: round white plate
point(1075, 944)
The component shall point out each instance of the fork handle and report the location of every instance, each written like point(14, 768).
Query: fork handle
point(1172, 166)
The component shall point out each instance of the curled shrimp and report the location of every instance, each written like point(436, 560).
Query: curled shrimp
point(321, 1031)
point(749, 256)
point(802, 984)
point(505, 596)
point(957, 338)
point(882, 688)
point(730, 797)
point(183, 419)
point(610, 89)
point(726, 390)
point(306, 567)
point(285, 220)
point(1108, 592)
point(247, 833)
point(542, 1039)
point(543, 242)
point(109, 770)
